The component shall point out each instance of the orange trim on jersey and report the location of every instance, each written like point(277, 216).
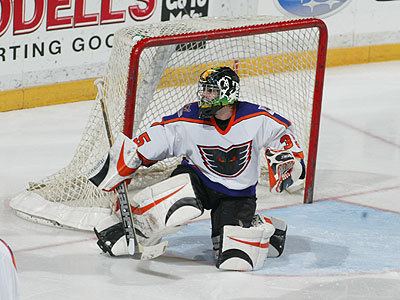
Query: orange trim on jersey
point(230, 124)
point(189, 120)
point(156, 124)
point(212, 121)
point(142, 210)
point(255, 244)
point(11, 253)
point(261, 113)
point(299, 155)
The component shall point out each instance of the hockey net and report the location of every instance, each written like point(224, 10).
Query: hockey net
point(153, 71)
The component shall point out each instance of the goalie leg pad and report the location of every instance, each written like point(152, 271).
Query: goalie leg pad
point(244, 249)
point(277, 240)
point(161, 208)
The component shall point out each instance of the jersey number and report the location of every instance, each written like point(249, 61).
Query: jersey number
point(288, 142)
point(143, 138)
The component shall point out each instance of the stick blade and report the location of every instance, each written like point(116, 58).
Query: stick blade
point(131, 246)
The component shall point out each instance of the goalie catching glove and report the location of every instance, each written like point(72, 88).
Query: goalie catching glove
point(285, 170)
point(119, 164)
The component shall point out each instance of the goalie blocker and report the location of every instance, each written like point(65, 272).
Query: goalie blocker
point(118, 165)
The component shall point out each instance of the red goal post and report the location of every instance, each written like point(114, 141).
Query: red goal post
point(153, 71)
point(237, 32)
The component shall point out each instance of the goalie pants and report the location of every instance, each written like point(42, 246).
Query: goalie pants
point(225, 210)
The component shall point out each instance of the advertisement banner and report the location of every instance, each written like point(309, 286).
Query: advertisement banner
point(47, 41)
point(50, 41)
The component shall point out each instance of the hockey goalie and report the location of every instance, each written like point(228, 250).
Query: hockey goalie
point(220, 139)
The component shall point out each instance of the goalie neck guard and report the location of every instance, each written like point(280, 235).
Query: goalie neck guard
point(217, 87)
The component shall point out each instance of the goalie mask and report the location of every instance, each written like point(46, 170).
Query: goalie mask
point(217, 87)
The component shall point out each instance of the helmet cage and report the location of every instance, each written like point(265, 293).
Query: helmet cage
point(217, 88)
point(210, 96)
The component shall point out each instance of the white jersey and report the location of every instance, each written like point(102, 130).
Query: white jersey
point(8, 273)
point(226, 160)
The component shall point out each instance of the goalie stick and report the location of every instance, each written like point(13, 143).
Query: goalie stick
point(135, 249)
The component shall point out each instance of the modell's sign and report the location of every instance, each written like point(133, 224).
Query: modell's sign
point(26, 16)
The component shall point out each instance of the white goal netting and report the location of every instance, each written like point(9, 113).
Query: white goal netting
point(277, 66)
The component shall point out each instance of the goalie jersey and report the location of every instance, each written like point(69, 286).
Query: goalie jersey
point(226, 160)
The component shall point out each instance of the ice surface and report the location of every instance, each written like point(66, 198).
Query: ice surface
point(345, 246)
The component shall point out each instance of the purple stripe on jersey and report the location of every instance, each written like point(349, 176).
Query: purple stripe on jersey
point(246, 108)
point(284, 120)
point(247, 192)
point(190, 111)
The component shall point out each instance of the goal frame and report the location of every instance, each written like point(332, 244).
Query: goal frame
point(147, 42)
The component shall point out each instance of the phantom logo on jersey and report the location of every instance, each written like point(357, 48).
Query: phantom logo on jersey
point(311, 8)
point(226, 162)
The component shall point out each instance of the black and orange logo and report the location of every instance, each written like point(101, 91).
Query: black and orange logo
point(229, 162)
